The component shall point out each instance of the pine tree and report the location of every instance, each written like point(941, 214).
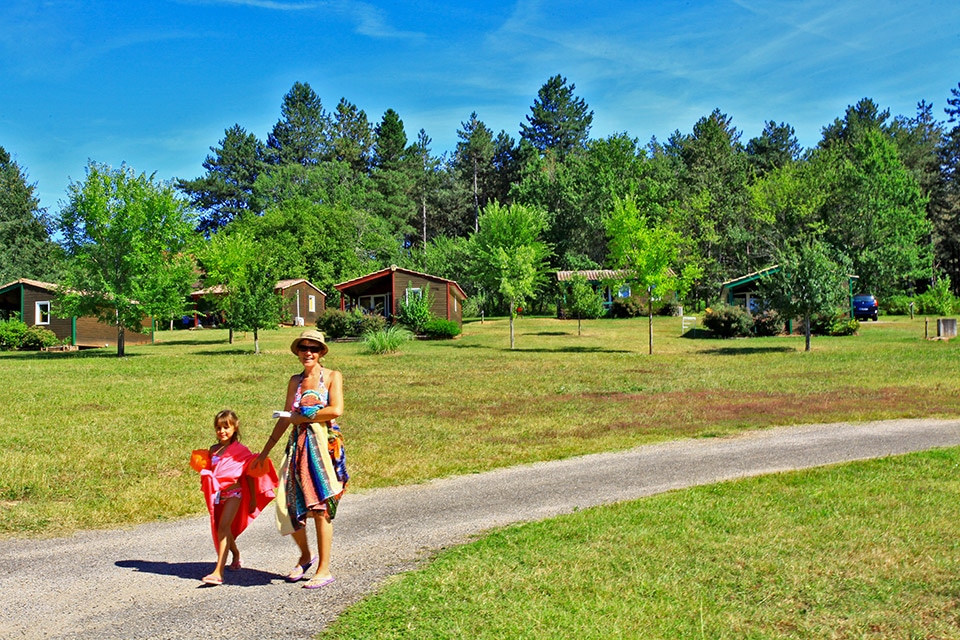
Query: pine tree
point(559, 120)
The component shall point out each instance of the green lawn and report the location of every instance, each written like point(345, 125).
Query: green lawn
point(88, 440)
point(863, 550)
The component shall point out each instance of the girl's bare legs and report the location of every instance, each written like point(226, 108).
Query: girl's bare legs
point(225, 541)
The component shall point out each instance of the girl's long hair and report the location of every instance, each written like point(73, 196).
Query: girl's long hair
point(228, 416)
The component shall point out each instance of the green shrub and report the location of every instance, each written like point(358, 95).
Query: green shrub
point(767, 323)
point(845, 327)
point(413, 311)
point(364, 323)
point(11, 334)
point(834, 323)
point(387, 340)
point(727, 321)
point(897, 305)
point(36, 338)
point(335, 323)
point(630, 307)
point(938, 300)
point(438, 328)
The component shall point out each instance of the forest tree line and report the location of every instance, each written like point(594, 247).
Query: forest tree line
point(330, 195)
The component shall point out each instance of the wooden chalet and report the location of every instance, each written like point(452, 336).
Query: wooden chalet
point(304, 301)
point(745, 290)
point(602, 281)
point(382, 291)
point(34, 302)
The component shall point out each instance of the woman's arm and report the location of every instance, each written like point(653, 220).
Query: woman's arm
point(282, 423)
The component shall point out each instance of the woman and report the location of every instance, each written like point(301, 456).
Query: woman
point(313, 475)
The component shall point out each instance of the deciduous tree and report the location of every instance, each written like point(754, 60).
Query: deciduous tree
point(650, 253)
point(128, 241)
point(510, 257)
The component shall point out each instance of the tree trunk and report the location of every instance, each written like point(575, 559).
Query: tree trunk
point(256, 341)
point(806, 330)
point(650, 320)
point(476, 208)
point(578, 324)
point(511, 324)
point(121, 346)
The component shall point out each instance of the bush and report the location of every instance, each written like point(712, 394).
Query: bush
point(938, 300)
point(364, 323)
point(387, 340)
point(11, 334)
point(897, 305)
point(835, 323)
point(441, 329)
point(36, 338)
point(335, 323)
point(631, 307)
point(413, 311)
point(728, 322)
point(767, 323)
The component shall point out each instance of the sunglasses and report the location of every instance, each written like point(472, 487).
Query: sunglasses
point(303, 348)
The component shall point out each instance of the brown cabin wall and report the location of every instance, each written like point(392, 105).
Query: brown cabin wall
point(62, 327)
point(437, 292)
point(90, 332)
point(305, 290)
point(454, 306)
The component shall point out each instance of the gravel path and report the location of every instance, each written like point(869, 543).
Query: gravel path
point(143, 582)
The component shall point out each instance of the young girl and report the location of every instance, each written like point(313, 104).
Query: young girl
point(234, 497)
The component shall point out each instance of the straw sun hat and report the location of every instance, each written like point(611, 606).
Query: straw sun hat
point(315, 336)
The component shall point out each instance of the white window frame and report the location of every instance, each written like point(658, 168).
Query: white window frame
point(43, 312)
point(411, 291)
point(312, 303)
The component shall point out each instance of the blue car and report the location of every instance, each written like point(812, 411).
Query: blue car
point(865, 307)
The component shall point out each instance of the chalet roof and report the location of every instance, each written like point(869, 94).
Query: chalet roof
point(282, 285)
point(292, 282)
point(342, 286)
point(750, 277)
point(34, 283)
point(594, 275)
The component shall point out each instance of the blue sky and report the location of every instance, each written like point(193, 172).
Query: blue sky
point(154, 83)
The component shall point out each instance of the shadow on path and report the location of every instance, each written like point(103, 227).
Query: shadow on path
point(196, 570)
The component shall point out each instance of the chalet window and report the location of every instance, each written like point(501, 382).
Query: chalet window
point(43, 312)
point(312, 304)
point(624, 291)
point(414, 293)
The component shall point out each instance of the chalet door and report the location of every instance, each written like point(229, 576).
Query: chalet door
point(379, 304)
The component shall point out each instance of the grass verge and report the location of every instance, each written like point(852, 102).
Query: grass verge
point(863, 550)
